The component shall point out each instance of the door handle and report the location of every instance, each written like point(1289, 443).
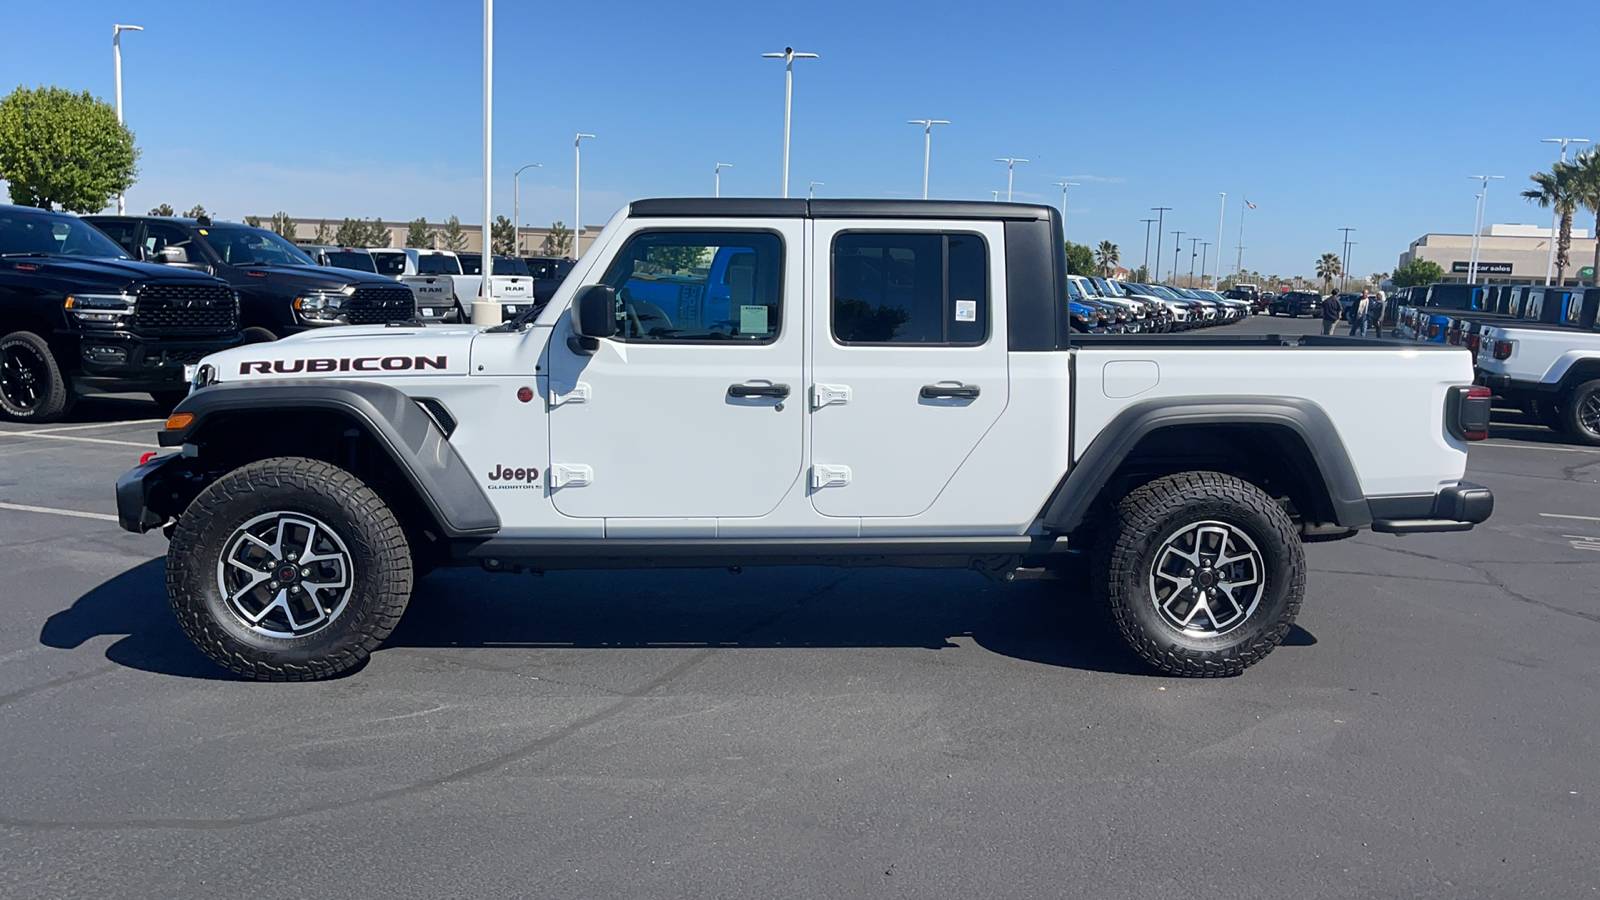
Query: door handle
point(758, 390)
point(949, 391)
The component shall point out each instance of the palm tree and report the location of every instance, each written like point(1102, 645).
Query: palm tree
point(1107, 256)
point(1558, 188)
point(1588, 171)
point(1328, 268)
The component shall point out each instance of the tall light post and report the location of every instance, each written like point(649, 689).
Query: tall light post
point(716, 187)
point(1477, 225)
point(577, 191)
point(1555, 215)
point(811, 190)
point(1147, 224)
point(788, 56)
point(1194, 250)
point(116, 63)
point(1344, 259)
point(516, 204)
point(995, 196)
point(485, 284)
point(1205, 250)
point(1178, 241)
point(927, 146)
point(1221, 212)
point(1064, 185)
point(1011, 168)
point(1161, 220)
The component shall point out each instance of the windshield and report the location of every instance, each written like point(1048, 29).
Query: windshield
point(52, 234)
point(509, 266)
point(241, 246)
point(1072, 290)
point(389, 262)
point(1108, 287)
point(437, 264)
point(347, 259)
point(471, 263)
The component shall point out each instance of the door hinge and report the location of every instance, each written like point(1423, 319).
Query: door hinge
point(562, 475)
point(580, 393)
point(824, 394)
point(830, 476)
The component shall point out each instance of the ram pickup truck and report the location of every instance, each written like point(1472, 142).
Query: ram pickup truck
point(1552, 369)
point(510, 285)
point(79, 316)
point(895, 383)
point(431, 275)
point(281, 291)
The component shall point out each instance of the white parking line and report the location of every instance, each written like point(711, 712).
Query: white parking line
point(1534, 447)
point(73, 437)
point(91, 425)
point(1563, 516)
point(76, 514)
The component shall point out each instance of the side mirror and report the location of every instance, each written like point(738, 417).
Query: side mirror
point(594, 312)
point(173, 256)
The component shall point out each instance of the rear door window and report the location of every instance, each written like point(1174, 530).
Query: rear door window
point(918, 288)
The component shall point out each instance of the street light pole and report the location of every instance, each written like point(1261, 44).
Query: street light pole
point(716, 189)
point(927, 146)
point(811, 191)
point(788, 56)
point(1064, 185)
point(577, 191)
point(1010, 170)
point(1178, 240)
point(1161, 220)
point(485, 283)
point(116, 62)
point(516, 204)
point(1344, 259)
point(1221, 212)
point(1555, 215)
point(1147, 224)
point(1194, 244)
point(1477, 227)
point(1205, 250)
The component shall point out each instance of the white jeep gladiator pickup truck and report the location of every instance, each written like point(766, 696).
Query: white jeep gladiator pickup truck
point(1554, 368)
point(739, 382)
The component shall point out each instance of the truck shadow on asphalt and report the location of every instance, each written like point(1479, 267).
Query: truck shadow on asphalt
point(1050, 623)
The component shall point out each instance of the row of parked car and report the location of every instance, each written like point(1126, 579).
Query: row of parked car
point(1109, 306)
point(1535, 346)
point(100, 304)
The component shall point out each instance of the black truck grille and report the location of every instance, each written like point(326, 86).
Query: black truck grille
point(380, 305)
point(186, 308)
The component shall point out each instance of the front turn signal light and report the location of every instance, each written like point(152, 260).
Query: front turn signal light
point(179, 421)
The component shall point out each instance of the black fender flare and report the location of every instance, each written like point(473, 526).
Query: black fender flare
point(1071, 502)
point(405, 431)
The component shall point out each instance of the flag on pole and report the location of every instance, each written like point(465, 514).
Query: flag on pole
point(1249, 204)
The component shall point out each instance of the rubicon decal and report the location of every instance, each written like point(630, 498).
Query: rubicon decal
point(346, 364)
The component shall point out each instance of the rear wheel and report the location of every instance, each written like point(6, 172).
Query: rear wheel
point(1202, 573)
point(1581, 413)
point(288, 569)
point(32, 388)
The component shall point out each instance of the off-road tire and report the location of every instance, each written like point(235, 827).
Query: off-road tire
point(1140, 526)
point(380, 563)
point(1580, 413)
point(55, 396)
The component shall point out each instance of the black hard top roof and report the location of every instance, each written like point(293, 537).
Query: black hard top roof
point(771, 207)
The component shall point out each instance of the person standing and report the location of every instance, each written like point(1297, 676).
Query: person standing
point(1375, 308)
point(1358, 316)
point(1330, 313)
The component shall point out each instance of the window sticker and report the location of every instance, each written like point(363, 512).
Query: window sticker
point(752, 320)
point(966, 310)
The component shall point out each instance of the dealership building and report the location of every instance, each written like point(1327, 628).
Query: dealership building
point(1507, 254)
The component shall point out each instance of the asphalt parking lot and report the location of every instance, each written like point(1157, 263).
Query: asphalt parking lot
point(1430, 729)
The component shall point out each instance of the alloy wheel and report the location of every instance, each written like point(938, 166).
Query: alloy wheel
point(21, 373)
point(1207, 578)
point(285, 575)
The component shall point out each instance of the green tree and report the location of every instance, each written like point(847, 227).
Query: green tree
point(1418, 271)
point(63, 149)
point(164, 209)
point(1588, 190)
point(1140, 275)
point(559, 241)
point(503, 237)
point(418, 236)
point(453, 237)
point(1558, 188)
point(378, 235)
point(324, 234)
point(1080, 259)
point(282, 225)
point(1107, 256)
point(350, 233)
point(253, 221)
point(677, 259)
point(195, 212)
point(1328, 268)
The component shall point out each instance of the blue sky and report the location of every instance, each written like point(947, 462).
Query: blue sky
point(1361, 114)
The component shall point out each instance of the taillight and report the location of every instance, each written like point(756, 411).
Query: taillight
point(1466, 412)
point(1502, 349)
point(1433, 330)
point(1454, 337)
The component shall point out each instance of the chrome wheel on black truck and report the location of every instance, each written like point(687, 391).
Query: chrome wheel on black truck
point(1202, 573)
point(289, 569)
point(32, 388)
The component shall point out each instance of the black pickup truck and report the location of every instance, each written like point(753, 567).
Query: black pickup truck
point(281, 290)
point(77, 316)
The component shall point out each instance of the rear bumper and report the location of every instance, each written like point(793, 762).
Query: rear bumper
point(1457, 507)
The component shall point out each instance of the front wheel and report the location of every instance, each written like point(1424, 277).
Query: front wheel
point(1581, 413)
point(32, 388)
point(288, 569)
point(1202, 573)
